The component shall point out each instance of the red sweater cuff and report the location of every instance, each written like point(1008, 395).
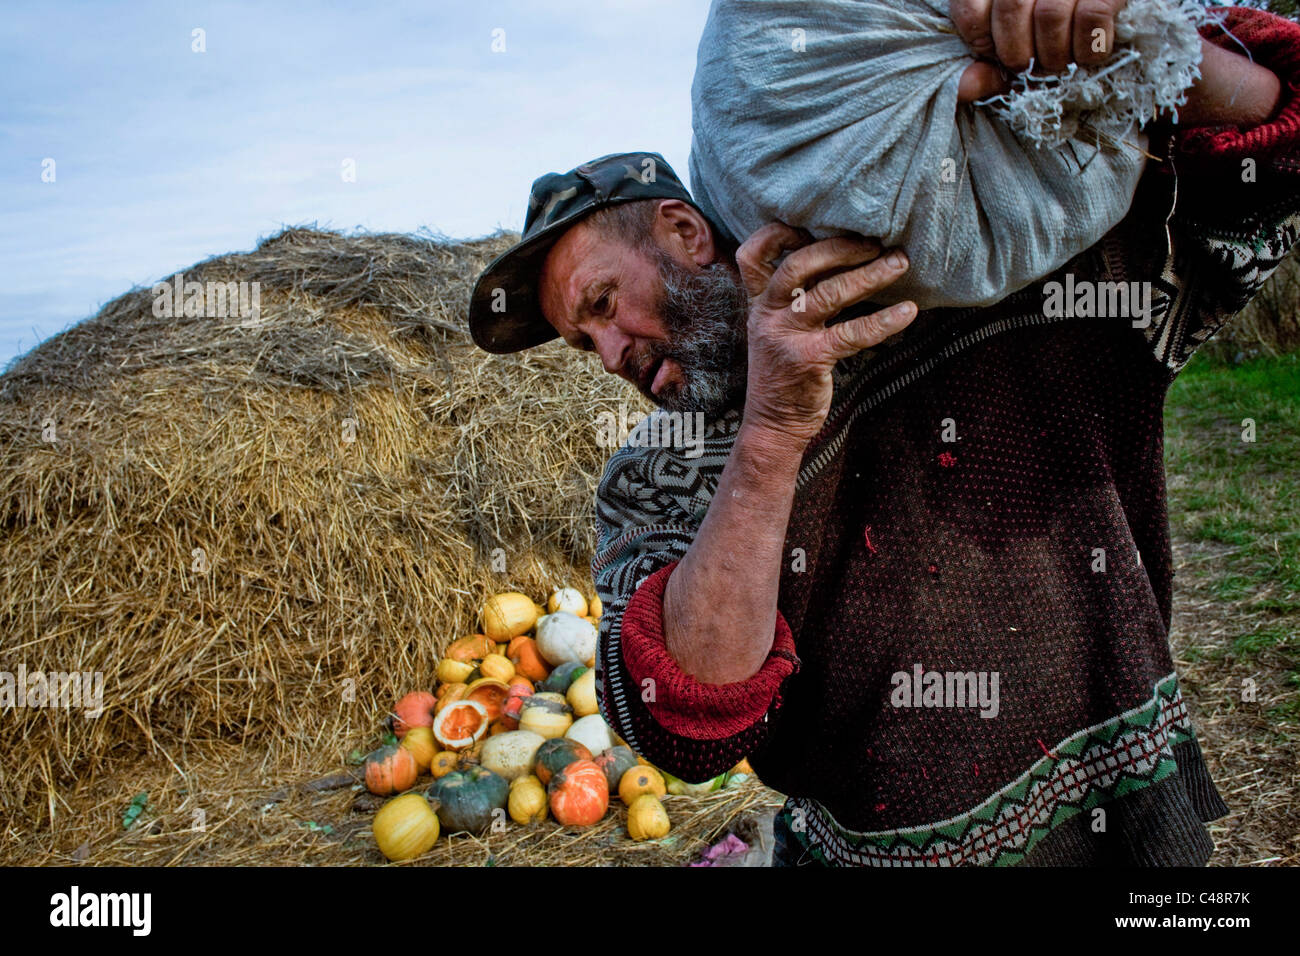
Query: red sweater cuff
point(683, 705)
point(1273, 42)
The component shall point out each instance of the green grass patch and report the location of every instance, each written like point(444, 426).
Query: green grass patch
point(1271, 635)
point(1289, 709)
point(1239, 494)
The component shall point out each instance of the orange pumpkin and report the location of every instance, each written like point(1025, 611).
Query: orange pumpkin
point(460, 725)
point(390, 770)
point(528, 660)
point(491, 694)
point(474, 647)
point(413, 710)
point(556, 754)
point(579, 794)
point(520, 686)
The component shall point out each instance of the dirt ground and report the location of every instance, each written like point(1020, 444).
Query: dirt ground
point(1253, 754)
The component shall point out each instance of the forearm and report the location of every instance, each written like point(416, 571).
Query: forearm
point(1232, 91)
point(720, 603)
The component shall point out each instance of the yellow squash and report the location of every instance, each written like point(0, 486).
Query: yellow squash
point(528, 801)
point(508, 615)
point(405, 827)
point(647, 819)
point(638, 781)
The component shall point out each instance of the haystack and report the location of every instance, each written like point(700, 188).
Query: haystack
point(262, 532)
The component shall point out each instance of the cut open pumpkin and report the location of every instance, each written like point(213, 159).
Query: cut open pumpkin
point(460, 724)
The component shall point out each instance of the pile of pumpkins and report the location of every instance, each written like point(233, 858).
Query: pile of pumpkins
point(512, 730)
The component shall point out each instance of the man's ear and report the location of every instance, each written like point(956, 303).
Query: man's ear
point(682, 231)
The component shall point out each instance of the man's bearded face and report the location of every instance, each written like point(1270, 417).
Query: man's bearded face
point(704, 314)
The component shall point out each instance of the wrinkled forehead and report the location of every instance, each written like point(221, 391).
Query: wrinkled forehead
point(562, 275)
point(575, 265)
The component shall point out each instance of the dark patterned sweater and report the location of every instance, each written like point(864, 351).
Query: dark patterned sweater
point(986, 498)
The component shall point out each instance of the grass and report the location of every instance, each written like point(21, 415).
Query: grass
point(1234, 511)
point(1241, 499)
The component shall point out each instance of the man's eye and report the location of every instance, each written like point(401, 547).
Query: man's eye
point(601, 305)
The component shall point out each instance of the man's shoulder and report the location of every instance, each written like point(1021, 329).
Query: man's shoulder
point(685, 437)
point(681, 454)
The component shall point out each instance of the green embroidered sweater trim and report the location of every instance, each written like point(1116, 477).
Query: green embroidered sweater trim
point(1086, 770)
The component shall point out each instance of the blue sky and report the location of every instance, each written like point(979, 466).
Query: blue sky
point(164, 156)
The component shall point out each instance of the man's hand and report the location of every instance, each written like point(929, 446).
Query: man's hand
point(1052, 33)
point(1232, 90)
point(791, 349)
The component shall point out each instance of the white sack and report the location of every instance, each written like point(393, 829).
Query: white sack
point(842, 116)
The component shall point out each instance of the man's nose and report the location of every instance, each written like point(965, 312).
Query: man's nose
point(612, 347)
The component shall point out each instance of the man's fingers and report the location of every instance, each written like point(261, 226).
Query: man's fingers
point(973, 20)
point(1053, 33)
point(801, 268)
point(1094, 30)
point(835, 293)
point(1013, 32)
point(756, 257)
point(981, 80)
point(1053, 38)
point(849, 338)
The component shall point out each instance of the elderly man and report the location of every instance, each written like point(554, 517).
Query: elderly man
point(920, 573)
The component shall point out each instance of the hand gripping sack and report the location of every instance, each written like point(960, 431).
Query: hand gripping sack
point(842, 116)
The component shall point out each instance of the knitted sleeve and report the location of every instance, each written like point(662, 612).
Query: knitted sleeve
point(649, 506)
point(1235, 197)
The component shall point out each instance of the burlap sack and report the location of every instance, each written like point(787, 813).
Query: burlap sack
point(842, 115)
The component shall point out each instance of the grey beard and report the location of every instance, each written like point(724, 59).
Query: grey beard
point(705, 315)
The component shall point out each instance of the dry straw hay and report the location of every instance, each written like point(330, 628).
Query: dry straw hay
point(1252, 749)
point(331, 566)
point(1270, 324)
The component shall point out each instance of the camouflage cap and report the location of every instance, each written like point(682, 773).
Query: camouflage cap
point(505, 314)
